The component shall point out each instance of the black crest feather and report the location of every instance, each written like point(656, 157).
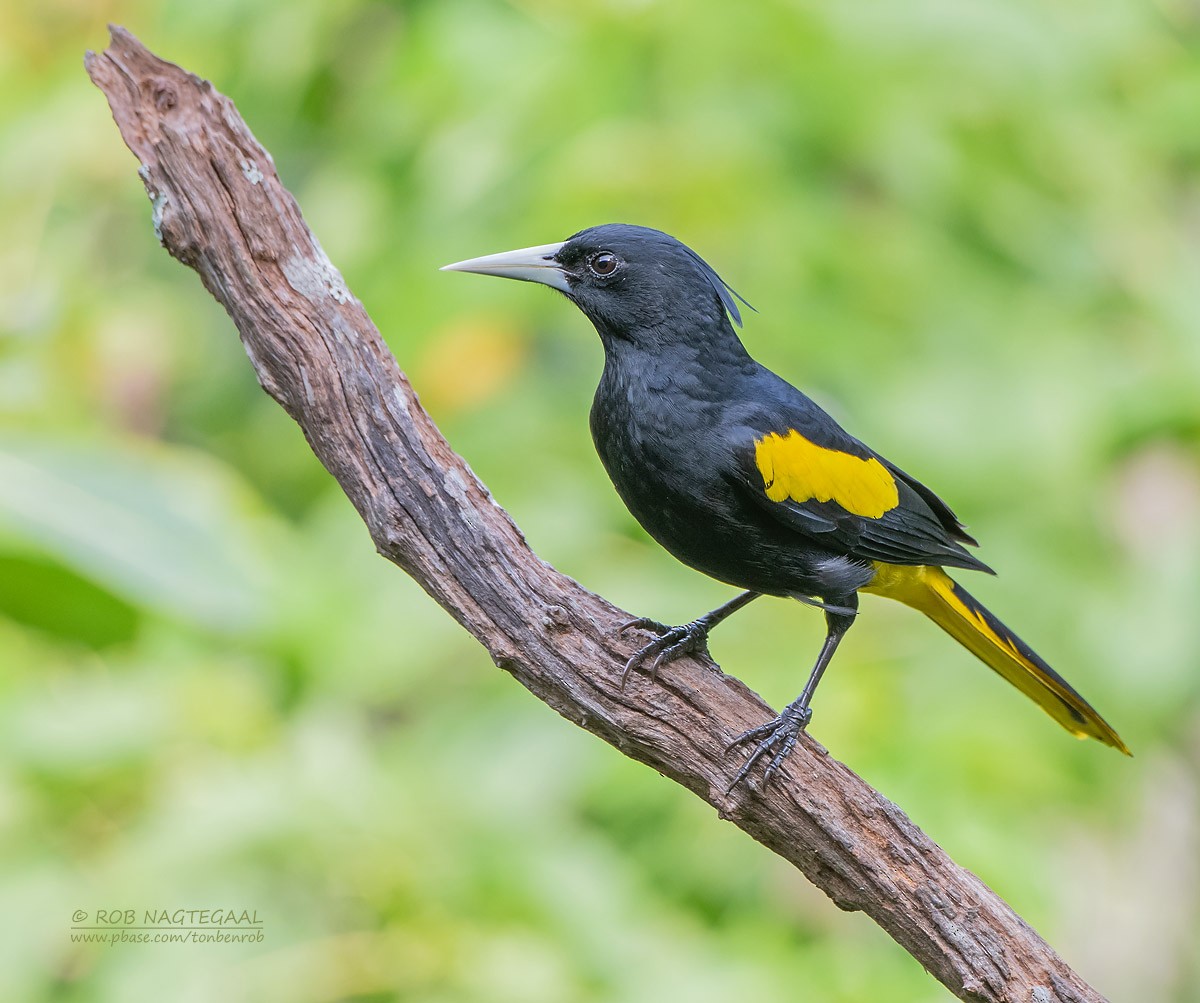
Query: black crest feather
point(723, 289)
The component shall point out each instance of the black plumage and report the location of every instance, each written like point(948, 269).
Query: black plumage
point(744, 478)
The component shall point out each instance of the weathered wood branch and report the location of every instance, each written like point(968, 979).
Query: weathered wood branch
point(219, 208)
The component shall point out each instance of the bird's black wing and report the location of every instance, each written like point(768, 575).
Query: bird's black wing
point(823, 483)
point(942, 511)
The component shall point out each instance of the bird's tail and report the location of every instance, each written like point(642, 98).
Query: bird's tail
point(933, 592)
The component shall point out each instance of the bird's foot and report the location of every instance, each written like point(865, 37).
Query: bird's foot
point(671, 643)
point(775, 739)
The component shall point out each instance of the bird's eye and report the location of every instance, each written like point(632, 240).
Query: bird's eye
point(604, 263)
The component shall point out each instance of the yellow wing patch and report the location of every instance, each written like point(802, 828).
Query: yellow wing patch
point(792, 467)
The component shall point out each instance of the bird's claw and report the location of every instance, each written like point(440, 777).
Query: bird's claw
point(644, 623)
point(671, 643)
point(778, 737)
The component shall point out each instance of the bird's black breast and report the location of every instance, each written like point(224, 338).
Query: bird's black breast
point(662, 434)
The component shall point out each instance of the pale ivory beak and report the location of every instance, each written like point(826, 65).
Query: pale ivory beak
point(529, 264)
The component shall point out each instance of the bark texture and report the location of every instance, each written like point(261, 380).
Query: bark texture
point(219, 207)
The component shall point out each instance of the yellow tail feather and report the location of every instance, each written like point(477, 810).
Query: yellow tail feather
point(933, 592)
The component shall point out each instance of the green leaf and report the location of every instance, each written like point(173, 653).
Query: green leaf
point(159, 527)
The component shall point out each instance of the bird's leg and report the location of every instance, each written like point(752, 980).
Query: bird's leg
point(777, 738)
point(674, 642)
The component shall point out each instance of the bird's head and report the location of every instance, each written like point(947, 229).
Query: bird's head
point(632, 282)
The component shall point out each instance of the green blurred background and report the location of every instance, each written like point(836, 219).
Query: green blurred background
point(972, 230)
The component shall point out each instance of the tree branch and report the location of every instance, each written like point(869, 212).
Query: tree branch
point(220, 208)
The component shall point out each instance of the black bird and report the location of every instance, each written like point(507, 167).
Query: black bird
point(739, 475)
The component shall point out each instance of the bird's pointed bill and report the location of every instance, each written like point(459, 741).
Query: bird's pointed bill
point(529, 264)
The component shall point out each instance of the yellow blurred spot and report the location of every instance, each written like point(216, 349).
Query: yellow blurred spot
point(468, 363)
